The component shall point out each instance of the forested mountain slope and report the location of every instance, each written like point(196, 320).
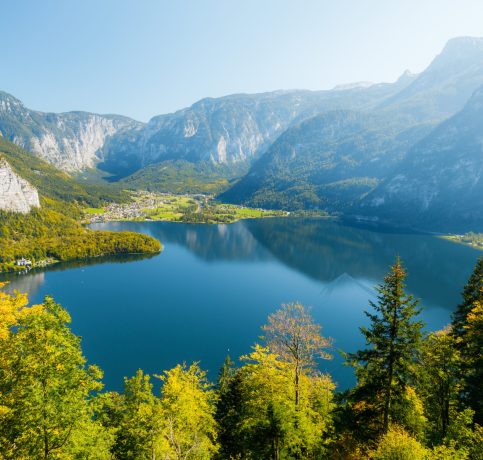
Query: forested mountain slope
point(41, 222)
point(339, 159)
point(440, 182)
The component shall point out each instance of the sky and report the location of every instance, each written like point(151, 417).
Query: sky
point(142, 58)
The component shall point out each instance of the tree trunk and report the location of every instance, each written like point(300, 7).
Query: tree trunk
point(297, 378)
point(387, 402)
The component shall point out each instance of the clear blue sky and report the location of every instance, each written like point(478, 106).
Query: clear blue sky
point(145, 57)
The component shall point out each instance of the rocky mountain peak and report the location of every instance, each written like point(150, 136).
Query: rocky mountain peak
point(459, 50)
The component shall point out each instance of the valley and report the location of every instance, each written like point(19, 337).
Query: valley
point(241, 230)
point(150, 206)
point(363, 151)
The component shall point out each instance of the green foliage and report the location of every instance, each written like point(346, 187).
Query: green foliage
point(229, 413)
point(180, 176)
point(52, 232)
point(438, 382)
point(47, 234)
point(45, 386)
point(384, 370)
point(273, 425)
point(464, 436)
point(189, 427)
point(468, 331)
point(135, 417)
point(397, 444)
point(277, 405)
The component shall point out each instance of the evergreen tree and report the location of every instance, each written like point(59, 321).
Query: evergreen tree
point(385, 368)
point(473, 360)
point(472, 292)
point(467, 329)
point(438, 382)
point(229, 412)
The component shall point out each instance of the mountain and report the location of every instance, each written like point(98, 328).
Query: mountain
point(440, 182)
point(229, 132)
point(333, 160)
point(326, 162)
point(444, 87)
point(71, 141)
point(53, 184)
point(341, 150)
point(40, 210)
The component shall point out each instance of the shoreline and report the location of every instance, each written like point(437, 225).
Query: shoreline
point(92, 260)
point(458, 239)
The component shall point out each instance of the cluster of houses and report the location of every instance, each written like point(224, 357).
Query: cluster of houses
point(24, 263)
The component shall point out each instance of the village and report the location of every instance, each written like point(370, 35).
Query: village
point(196, 208)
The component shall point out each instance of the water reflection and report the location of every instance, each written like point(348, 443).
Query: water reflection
point(325, 250)
point(32, 280)
point(214, 286)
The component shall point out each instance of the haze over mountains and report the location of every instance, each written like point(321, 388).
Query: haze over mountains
point(409, 152)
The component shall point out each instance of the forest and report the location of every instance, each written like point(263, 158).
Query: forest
point(418, 394)
point(53, 232)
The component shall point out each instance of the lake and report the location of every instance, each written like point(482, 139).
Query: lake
point(210, 291)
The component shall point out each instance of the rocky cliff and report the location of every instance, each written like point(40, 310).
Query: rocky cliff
point(231, 130)
point(16, 194)
point(71, 141)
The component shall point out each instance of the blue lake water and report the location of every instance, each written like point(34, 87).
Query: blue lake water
point(210, 291)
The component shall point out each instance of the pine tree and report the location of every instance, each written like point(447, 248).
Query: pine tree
point(384, 369)
point(472, 292)
point(467, 330)
point(229, 412)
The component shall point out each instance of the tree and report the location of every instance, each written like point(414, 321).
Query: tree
point(438, 382)
point(10, 306)
point(385, 368)
point(396, 444)
point(473, 359)
point(472, 292)
point(187, 405)
point(468, 341)
point(272, 426)
point(229, 412)
point(45, 386)
point(292, 335)
point(135, 416)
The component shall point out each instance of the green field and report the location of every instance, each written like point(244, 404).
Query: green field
point(177, 208)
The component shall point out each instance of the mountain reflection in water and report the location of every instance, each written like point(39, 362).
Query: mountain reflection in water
point(213, 287)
